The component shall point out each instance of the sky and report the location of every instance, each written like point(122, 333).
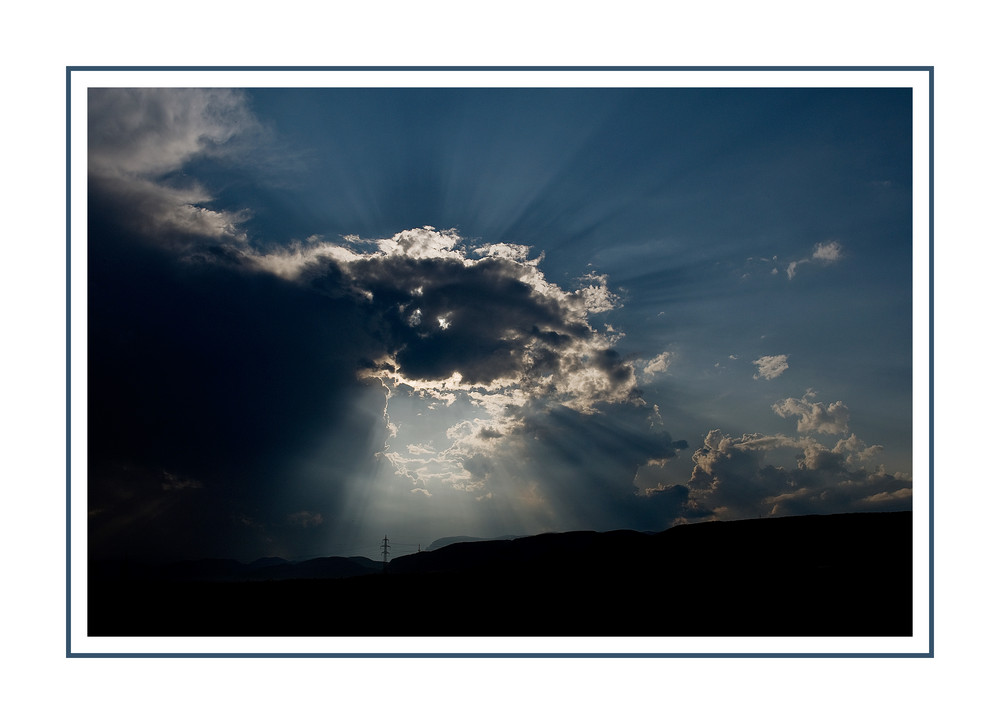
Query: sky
point(317, 317)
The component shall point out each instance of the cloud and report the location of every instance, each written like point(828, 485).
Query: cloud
point(482, 322)
point(658, 365)
point(814, 416)
point(287, 355)
point(140, 138)
point(244, 364)
point(149, 132)
point(239, 382)
point(855, 450)
point(825, 252)
point(770, 366)
point(756, 474)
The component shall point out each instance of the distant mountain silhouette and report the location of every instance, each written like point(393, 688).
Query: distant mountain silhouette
point(265, 562)
point(836, 575)
point(442, 542)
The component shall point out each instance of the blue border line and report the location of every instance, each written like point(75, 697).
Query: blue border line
point(424, 68)
point(923, 655)
point(501, 656)
point(69, 347)
point(930, 224)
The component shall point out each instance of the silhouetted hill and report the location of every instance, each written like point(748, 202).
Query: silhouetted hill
point(837, 575)
point(442, 542)
point(265, 562)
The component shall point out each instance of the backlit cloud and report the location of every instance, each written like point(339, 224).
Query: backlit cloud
point(658, 365)
point(483, 322)
point(770, 366)
point(139, 138)
point(756, 474)
point(815, 416)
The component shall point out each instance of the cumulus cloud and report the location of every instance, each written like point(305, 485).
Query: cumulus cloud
point(770, 366)
point(483, 322)
point(756, 474)
point(814, 416)
point(825, 252)
point(855, 450)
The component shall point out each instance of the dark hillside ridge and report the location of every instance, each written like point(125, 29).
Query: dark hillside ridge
point(836, 575)
point(442, 542)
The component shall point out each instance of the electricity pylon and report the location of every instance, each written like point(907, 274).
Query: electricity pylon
point(385, 553)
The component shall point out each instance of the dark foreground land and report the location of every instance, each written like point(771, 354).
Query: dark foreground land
point(838, 575)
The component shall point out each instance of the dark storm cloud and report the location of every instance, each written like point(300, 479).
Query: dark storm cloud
point(485, 314)
point(215, 374)
point(228, 362)
point(223, 400)
point(475, 320)
point(563, 426)
point(559, 429)
point(211, 363)
point(232, 365)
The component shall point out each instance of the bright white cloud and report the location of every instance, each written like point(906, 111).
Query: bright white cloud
point(424, 243)
point(595, 295)
point(770, 366)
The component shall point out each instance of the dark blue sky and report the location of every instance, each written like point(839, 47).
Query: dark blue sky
point(318, 316)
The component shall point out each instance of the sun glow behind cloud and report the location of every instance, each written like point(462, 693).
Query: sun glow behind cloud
point(479, 329)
